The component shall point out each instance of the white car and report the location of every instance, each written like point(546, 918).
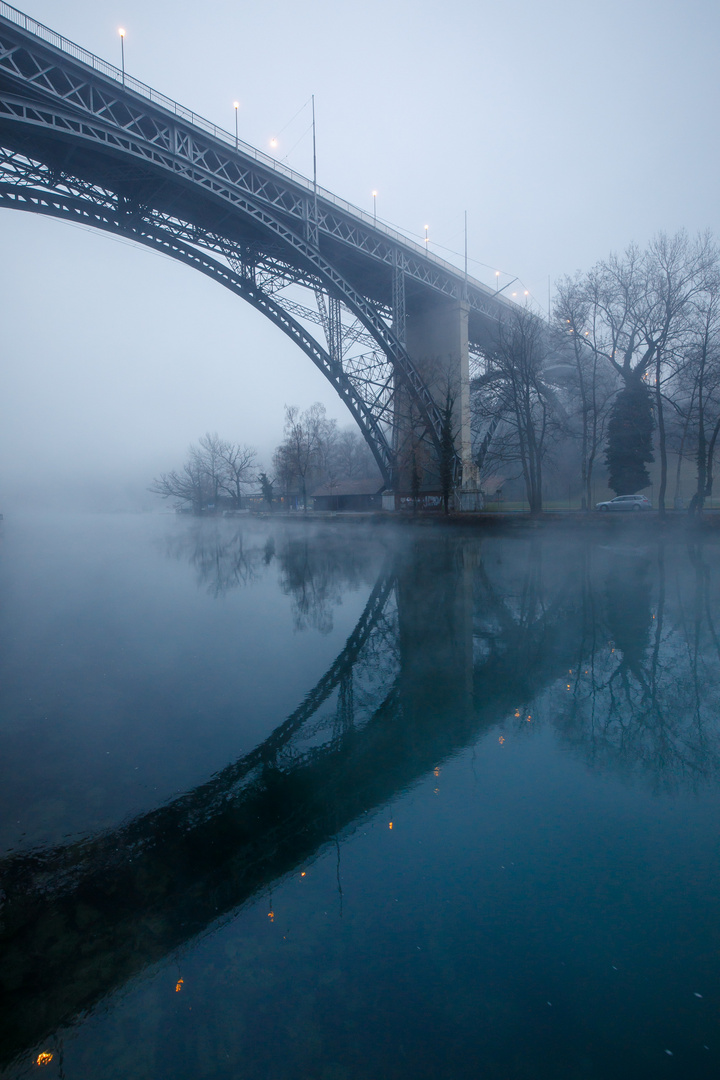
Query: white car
point(626, 502)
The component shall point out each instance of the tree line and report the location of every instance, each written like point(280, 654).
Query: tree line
point(626, 369)
point(219, 474)
point(624, 374)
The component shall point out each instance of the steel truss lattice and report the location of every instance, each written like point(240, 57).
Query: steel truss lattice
point(349, 357)
point(80, 144)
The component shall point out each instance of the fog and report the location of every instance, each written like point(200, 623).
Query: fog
point(565, 131)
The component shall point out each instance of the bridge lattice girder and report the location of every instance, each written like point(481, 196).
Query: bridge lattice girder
point(365, 402)
point(81, 140)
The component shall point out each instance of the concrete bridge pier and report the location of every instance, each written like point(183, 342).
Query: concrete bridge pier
point(437, 342)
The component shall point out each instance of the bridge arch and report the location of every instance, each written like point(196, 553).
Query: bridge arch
point(75, 145)
point(164, 236)
point(397, 322)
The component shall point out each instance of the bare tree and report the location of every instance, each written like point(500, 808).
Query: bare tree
point(306, 448)
point(518, 399)
point(208, 457)
point(240, 463)
point(188, 486)
point(699, 378)
point(216, 470)
point(636, 311)
point(593, 381)
point(352, 456)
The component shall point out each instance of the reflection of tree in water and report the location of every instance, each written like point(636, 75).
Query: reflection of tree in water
point(316, 575)
point(315, 568)
point(518, 586)
point(645, 684)
point(221, 555)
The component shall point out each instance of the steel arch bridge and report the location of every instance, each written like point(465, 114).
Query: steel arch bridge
point(387, 323)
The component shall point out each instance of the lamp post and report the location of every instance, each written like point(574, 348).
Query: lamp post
point(236, 106)
point(121, 32)
point(427, 249)
point(374, 195)
point(497, 280)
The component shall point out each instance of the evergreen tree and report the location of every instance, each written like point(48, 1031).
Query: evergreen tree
point(267, 487)
point(629, 440)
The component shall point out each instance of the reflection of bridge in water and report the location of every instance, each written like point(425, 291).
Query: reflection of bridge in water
point(418, 680)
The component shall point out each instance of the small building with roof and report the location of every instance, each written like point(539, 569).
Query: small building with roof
point(349, 495)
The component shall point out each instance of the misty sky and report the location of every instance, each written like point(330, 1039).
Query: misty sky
point(566, 130)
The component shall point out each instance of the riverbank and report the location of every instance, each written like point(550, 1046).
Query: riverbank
point(575, 521)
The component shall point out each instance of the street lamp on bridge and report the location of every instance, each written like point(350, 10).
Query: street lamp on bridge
point(426, 239)
point(374, 195)
point(236, 106)
point(121, 32)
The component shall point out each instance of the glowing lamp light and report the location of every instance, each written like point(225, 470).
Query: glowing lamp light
point(303, 873)
point(121, 32)
point(179, 985)
point(273, 142)
point(271, 916)
point(390, 825)
point(44, 1059)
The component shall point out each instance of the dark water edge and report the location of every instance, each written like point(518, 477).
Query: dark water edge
point(410, 803)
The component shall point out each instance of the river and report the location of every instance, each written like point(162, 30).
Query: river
point(286, 800)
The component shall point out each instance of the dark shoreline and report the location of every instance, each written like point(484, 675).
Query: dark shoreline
point(576, 521)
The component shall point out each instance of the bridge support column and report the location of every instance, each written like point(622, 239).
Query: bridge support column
point(437, 341)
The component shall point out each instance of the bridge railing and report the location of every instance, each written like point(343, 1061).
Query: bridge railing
point(129, 82)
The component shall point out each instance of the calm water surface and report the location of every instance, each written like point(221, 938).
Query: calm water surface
point(290, 801)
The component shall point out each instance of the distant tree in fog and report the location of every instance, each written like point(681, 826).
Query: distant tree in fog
point(240, 463)
point(216, 473)
point(305, 448)
point(314, 452)
point(352, 456)
point(187, 487)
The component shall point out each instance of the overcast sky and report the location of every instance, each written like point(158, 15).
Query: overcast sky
point(565, 129)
